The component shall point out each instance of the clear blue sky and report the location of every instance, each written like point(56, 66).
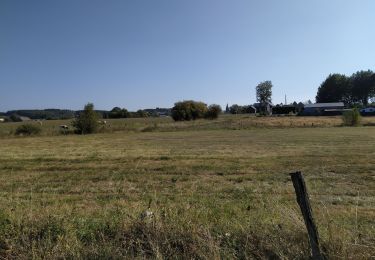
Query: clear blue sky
point(152, 53)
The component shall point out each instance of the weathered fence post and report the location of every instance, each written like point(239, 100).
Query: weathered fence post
point(304, 204)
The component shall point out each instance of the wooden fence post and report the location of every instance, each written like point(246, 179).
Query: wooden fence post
point(304, 204)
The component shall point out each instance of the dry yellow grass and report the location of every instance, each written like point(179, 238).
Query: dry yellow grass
point(230, 122)
point(214, 193)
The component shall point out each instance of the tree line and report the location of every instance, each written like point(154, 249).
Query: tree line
point(87, 121)
point(47, 114)
point(118, 112)
point(61, 114)
point(356, 89)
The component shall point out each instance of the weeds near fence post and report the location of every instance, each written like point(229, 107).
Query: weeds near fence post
point(304, 204)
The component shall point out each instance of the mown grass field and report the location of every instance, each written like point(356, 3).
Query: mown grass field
point(229, 122)
point(221, 192)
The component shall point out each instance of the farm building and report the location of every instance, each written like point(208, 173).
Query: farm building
point(263, 107)
point(368, 111)
point(24, 118)
point(322, 109)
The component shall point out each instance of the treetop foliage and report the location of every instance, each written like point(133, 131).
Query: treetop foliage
point(192, 110)
point(213, 111)
point(264, 92)
point(335, 88)
point(358, 88)
point(188, 110)
point(117, 112)
point(362, 84)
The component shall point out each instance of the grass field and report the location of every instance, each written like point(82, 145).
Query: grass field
point(221, 192)
point(229, 122)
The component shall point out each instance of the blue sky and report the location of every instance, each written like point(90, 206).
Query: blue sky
point(152, 53)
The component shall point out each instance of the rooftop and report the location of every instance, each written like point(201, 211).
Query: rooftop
point(333, 104)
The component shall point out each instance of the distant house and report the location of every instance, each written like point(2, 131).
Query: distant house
point(24, 118)
point(322, 109)
point(162, 112)
point(264, 107)
point(251, 109)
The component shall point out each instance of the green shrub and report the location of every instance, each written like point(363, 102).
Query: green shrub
point(87, 121)
point(15, 118)
point(213, 111)
point(141, 113)
point(28, 129)
point(188, 110)
point(351, 117)
point(150, 128)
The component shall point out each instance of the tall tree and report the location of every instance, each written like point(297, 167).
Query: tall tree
point(363, 86)
point(335, 88)
point(264, 92)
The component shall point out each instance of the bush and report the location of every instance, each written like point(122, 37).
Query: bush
point(213, 111)
point(351, 117)
point(15, 118)
point(188, 110)
point(235, 109)
point(87, 121)
point(28, 129)
point(142, 113)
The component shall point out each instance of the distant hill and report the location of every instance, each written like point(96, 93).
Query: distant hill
point(43, 114)
point(53, 114)
point(159, 111)
point(102, 113)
